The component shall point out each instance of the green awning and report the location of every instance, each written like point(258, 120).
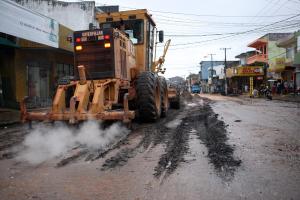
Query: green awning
point(6, 42)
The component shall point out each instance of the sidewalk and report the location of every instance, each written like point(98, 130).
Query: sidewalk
point(288, 97)
point(9, 116)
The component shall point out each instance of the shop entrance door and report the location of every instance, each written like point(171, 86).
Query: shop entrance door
point(38, 85)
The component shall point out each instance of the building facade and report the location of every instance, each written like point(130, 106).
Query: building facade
point(33, 56)
point(210, 81)
point(75, 15)
point(268, 54)
point(291, 61)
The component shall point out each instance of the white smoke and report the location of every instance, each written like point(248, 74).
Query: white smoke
point(45, 143)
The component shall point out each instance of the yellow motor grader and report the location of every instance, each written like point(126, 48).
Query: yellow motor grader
point(117, 77)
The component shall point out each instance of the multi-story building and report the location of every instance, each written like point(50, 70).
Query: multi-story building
point(239, 76)
point(268, 54)
point(291, 61)
point(34, 54)
point(75, 15)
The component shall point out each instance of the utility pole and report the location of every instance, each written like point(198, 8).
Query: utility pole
point(225, 67)
point(212, 69)
point(211, 64)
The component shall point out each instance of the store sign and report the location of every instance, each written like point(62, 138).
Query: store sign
point(280, 62)
point(250, 71)
point(23, 23)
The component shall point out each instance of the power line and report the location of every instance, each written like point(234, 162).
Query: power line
point(205, 15)
point(204, 42)
point(239, 33)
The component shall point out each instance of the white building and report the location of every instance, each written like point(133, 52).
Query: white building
point(75, 15)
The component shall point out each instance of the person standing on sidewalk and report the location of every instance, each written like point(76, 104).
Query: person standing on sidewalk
point(274, 88)
point(286, 87)
point(278, 87)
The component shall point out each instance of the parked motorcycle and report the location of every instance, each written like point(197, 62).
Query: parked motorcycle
point(266, 92)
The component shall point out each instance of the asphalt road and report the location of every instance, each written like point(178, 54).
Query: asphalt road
point(214, 147)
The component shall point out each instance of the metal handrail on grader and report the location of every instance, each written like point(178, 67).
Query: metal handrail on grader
point(117, 76)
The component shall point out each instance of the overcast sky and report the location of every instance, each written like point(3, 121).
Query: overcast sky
point(206, 17)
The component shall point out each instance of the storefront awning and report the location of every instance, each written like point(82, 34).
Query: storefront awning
point(6, 42)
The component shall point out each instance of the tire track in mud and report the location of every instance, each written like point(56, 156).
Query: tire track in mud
point(213, 134)
point(195, 115)
point(9, 138)
point(152, 135)
point(210, 131)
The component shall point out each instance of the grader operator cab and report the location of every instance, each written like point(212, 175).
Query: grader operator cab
point(117, 77)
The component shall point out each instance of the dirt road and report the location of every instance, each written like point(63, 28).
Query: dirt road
point(214, 147)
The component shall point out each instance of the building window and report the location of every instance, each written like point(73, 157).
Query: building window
point(64, 70)
point(290, 52)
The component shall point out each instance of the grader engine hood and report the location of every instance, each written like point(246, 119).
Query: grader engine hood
point(94, 49)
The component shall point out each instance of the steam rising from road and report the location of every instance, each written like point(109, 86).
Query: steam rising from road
point(45, 143)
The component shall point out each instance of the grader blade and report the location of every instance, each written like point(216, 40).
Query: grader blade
point(80, 107)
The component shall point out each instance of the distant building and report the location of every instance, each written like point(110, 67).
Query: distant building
point(209, 78)
point(205, 68)
point(244, 56)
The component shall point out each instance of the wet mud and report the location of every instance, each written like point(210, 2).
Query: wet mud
point(212, 132)
point(199, 117)
point(172, 133)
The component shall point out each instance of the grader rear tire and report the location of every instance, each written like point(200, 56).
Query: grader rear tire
point(164, 94)
point(148, 97)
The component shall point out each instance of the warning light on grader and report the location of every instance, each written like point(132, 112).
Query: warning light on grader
point(78, 48)
point(78, 39)
point(106, 45)
point(106, 37)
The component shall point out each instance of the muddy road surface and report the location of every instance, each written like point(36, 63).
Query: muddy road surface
point(214, 147)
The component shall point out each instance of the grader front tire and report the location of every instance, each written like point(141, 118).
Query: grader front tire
point(148, 97)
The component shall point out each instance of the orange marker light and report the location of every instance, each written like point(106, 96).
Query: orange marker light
point(106, 37)
point(78, 48)
point(78, 39)
point(106, 45)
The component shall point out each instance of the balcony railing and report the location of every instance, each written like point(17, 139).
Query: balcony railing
point(257, 58)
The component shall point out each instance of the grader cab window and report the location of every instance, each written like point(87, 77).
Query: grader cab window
point(134, 29)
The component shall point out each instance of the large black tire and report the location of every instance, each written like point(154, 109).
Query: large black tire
point(148, 97)
point(164, 96)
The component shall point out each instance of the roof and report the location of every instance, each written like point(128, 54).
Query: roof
point(245, 54)
point(129, 12)
point(268, 37)
point(288, 40)
point(258, 42)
